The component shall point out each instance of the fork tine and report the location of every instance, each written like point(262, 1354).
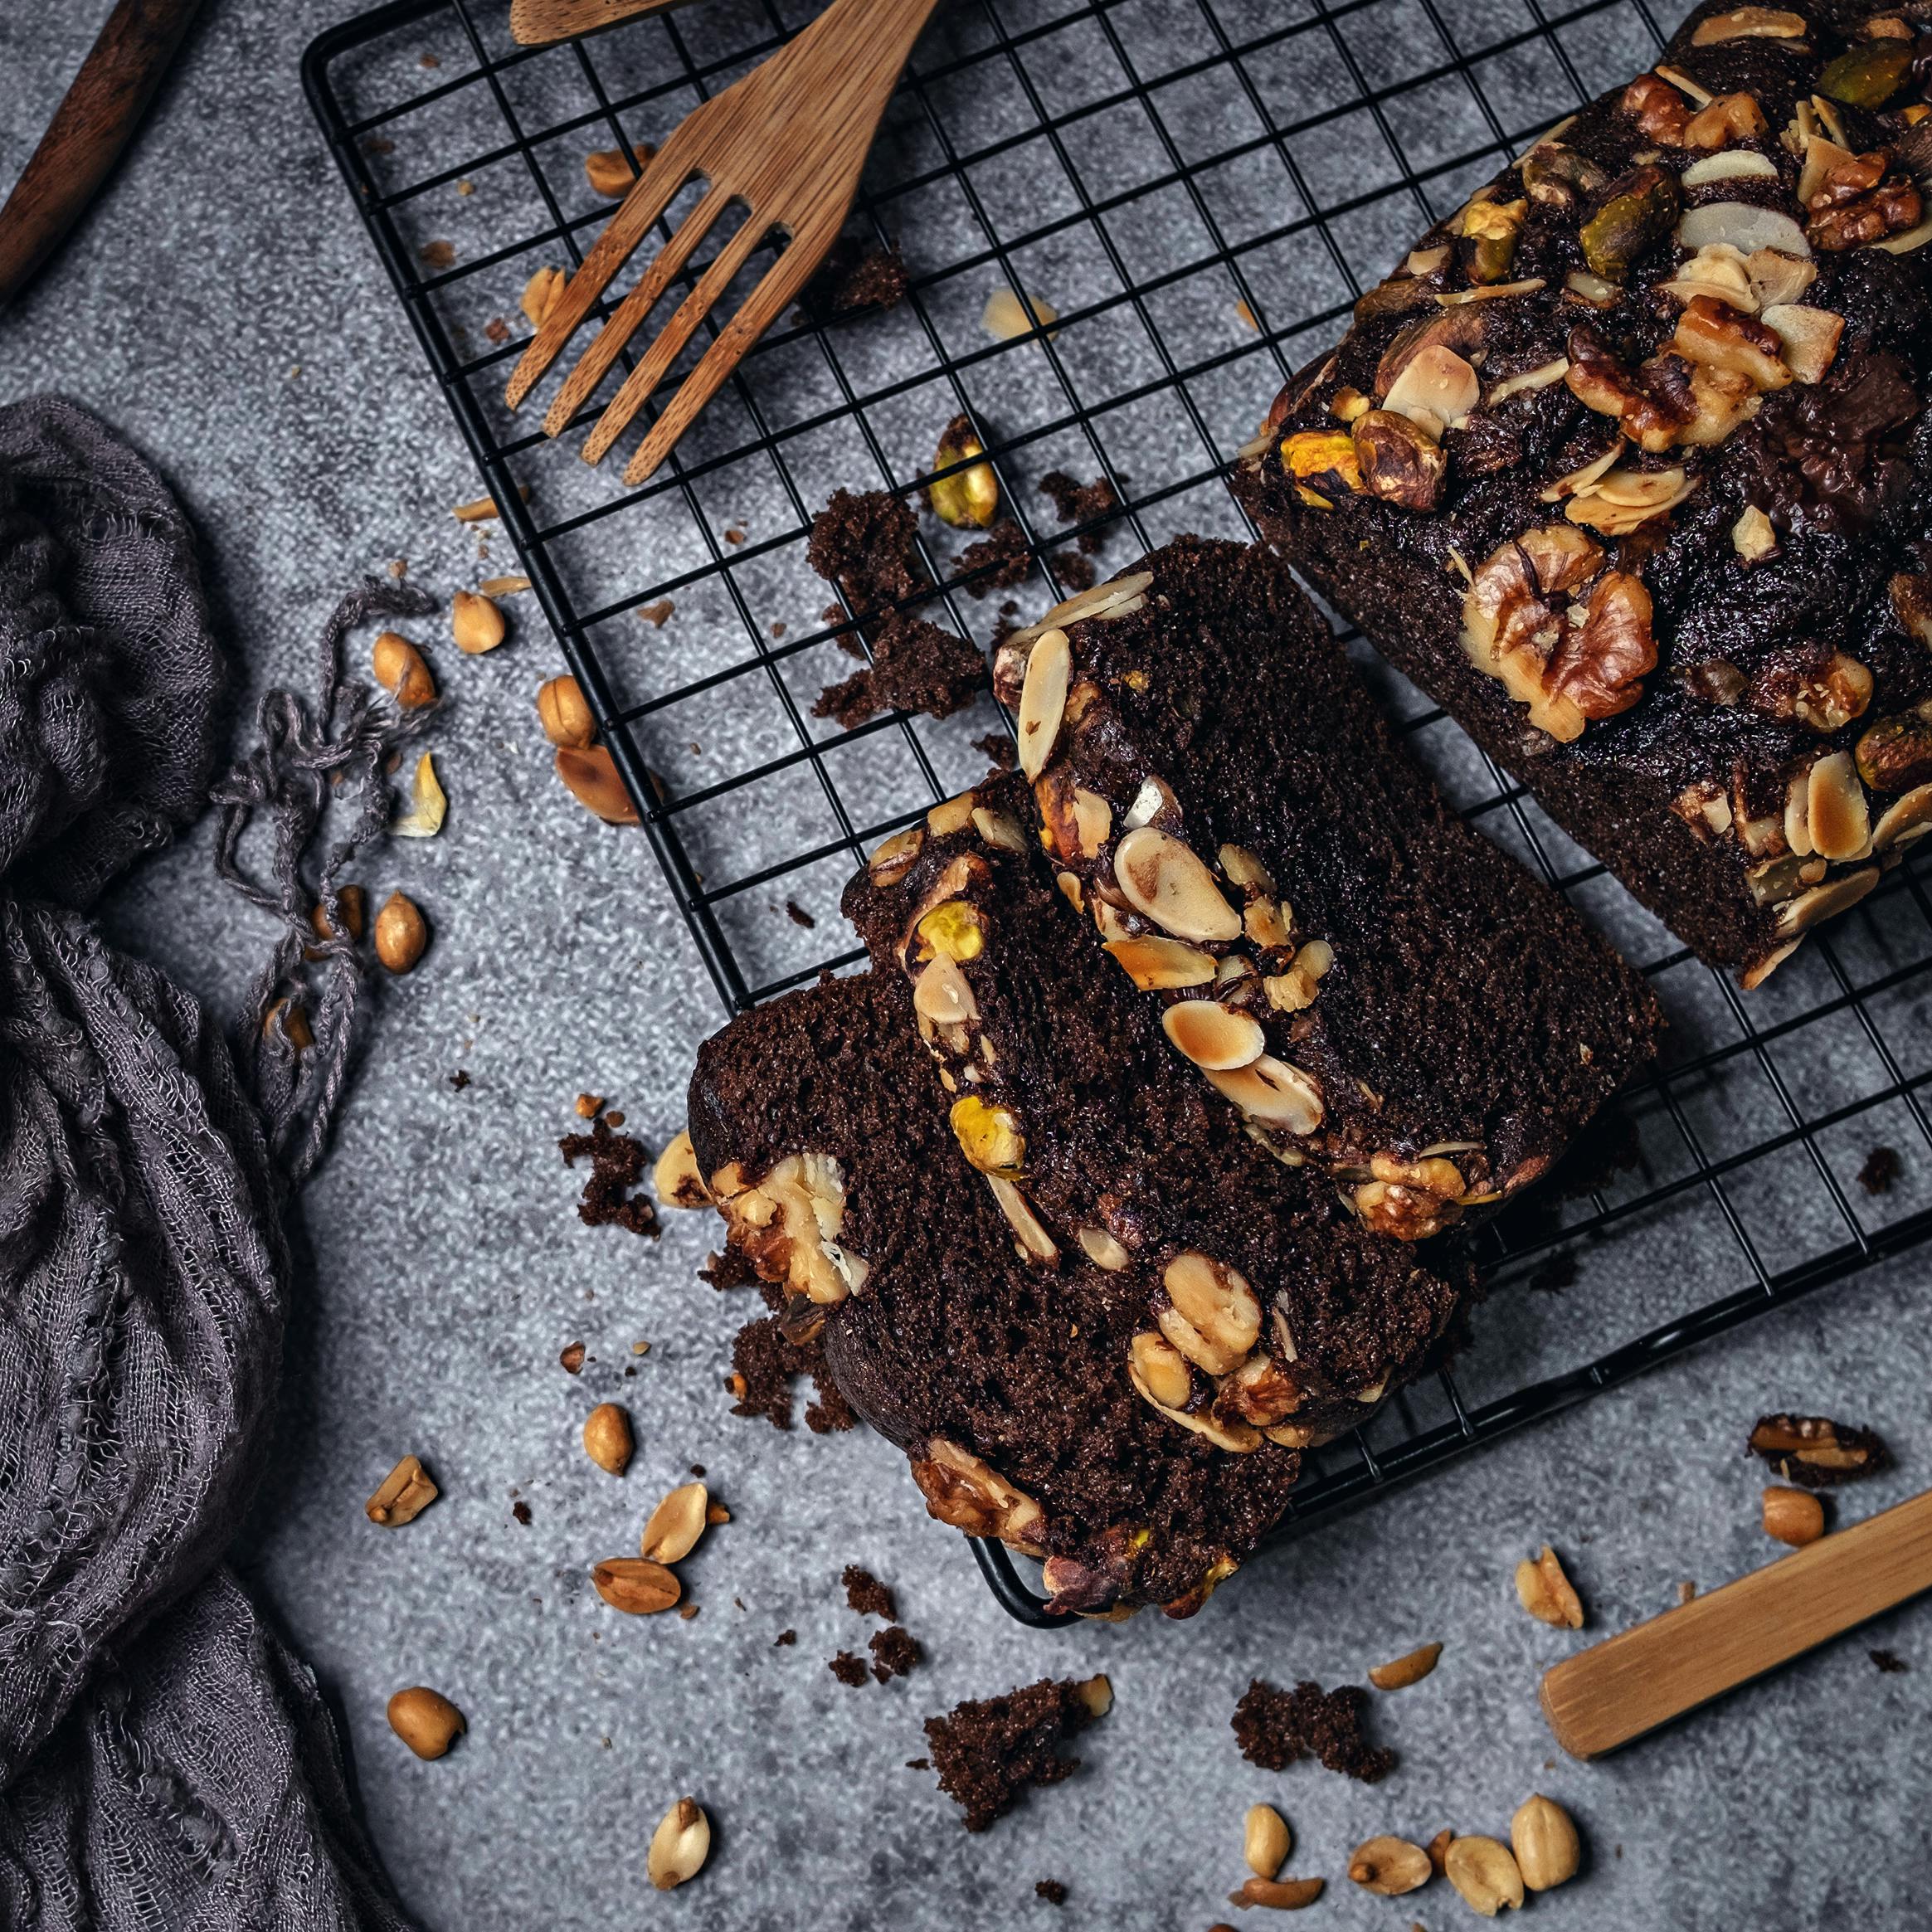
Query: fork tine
point(608, 343)
point(642, 380)
point(661, 182)
point(760, 309)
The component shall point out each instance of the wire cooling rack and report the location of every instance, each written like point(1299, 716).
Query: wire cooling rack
point(1199, 188)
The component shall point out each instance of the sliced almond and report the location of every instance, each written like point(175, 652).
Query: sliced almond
point(1823, 900)
point(1214, 1036)
point(1273, 1093)
point(1160, 1372)
point(1436, 389)
point(1042, 699)
point(1103, 1250)
point(942, 993)
point(1166, 880)
point(1021, 1219)
point(1153, 963)
point(1835, 814)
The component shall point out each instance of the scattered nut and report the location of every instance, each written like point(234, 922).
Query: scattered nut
point(402, 933)
point(1546, 1592)
point(611, 172)
point(590, 774)
point(676, 1179)
point(1793, 1516)
point(1544, 1838)
point(1285, 1895)
point(565, 713)
point(540, 296)
point(291, 1021)
point(636, 1585)
point(426, 1720)
point(505, 586)
point(402, 1495)
point(1006, 314)
point(1484, 1872)
point(475, 622)
point(428, 804)
point(970, 499)
point(1266, 1840)
point(1410, 1668)
point(570, 1358)
point(607, 1438)
point(1391, 1867)
point(353, 903)
point(481, 510)
point(1438, 1851)
point(676, 1524)
point(1815, 1452)
point(679, 1846)
point(398, 667)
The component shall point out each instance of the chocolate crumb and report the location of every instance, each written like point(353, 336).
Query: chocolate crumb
point(798, 915)
point(1888, 1661)
point(1001, 554)
point(697, 1469)
point(438, 254)
point(1074, 570)
point(1815, 1452)
point(728, 1270)
point(784, 1639)
point(459, 1079)
point(1557, 1273)
point(988, 1751)
point(998, 749)
point(855, 279)
point(764, 1361)
point(573, 1357)
point(918, 1763)
point(1274, 1728)
point(915, 665)
point(847, 1668)
point(521, 1510)
point(868, 1595)
point(496, 329)
point(1052, 1890)
point(617, 1165)
point(867, 547)
point(1096, 502)
point(895, 1651)
point(1882, 1167)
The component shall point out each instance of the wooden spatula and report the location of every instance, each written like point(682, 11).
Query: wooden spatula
point(788, 141)
point(1627, 1685)
point(537, 23)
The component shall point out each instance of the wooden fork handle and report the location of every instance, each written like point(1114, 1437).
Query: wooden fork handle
point(1630, 1684)
point(89, 129)
point(539, 23)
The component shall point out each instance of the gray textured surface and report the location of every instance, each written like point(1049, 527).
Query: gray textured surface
point(447, 1270)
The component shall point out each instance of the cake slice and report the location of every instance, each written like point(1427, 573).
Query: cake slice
point(1380, 992)
point(1627, 466)
point(822, 1137)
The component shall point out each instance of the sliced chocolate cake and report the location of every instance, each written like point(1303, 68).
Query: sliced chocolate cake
point(1376, 990)
point(1628, 465)
point(824, 1138)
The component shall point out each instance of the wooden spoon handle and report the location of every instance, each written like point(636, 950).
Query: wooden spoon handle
point(89, 128)
point(537, 23)
point(1630, 1684)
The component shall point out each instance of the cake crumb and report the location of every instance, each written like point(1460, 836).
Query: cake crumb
point(866, 1594)
point(764, 1361)
point(1097, 502)
point(895, 1651)
point(784, 1639)
point(917, 665)
point(798, 915)
point(847, 1668)
point(1074, 570)
point(1888, 1661)
point(570, 1357)
point(856, 278)
point(867, 545)
point(998, 749)
point(1882, 1167)
point(1052, 1890)
point(617, 1165)
point(918, 1763)
point(1275, 1728)
point(459, 1079)
point(1001, 554)
point(989, 1750)
point(521, 1510)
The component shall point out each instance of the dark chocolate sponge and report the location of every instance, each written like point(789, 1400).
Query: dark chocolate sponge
point(1709, 663)
point(1223, 798)
point(1005, 1383)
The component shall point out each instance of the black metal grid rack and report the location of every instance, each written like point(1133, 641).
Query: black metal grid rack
point(1199, 188)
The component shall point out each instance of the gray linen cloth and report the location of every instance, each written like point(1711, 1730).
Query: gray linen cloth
point(164, 1761)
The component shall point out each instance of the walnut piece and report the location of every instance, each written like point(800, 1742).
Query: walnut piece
point(1398, 460)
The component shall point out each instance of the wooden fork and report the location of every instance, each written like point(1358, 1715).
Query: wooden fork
point(788, 141)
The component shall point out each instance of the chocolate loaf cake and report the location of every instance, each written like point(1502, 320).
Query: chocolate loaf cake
point(1627, 466)
point(824, 1137)
point(1377, 991)
point(1268, 1313)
